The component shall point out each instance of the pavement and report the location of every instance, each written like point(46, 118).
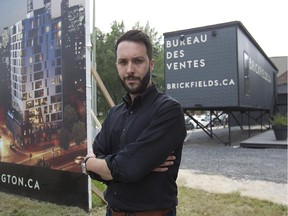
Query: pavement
point(264, 140)
point(258, 172)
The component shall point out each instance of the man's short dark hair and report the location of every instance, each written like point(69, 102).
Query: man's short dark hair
point(138, 37)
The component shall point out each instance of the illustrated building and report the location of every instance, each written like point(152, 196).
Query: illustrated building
point(4, 70)
point(73, 43)
point(37, 69)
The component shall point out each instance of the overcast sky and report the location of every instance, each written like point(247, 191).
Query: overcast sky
point(267, 21)
point(11, 11)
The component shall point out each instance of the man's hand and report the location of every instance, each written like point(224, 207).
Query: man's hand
point(90, 153)
point(164, 167)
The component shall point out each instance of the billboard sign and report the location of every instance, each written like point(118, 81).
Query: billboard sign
point(42, 100)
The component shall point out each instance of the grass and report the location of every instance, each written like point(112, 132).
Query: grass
point(192, 202)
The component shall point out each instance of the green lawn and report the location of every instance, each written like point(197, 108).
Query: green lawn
point(192, 202)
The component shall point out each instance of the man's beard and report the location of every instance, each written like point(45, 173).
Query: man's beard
point(139, 89)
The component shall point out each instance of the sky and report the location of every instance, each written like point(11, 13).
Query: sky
point(11, 11)
point(266, 21)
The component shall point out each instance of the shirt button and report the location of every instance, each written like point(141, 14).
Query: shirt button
point(131, 111)
point(124, 130)
point(115, 193)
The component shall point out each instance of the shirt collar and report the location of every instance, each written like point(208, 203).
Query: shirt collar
point(142, 96)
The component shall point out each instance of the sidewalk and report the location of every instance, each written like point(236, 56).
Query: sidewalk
point(264, 140)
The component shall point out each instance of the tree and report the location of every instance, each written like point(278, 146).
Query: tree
point(64, 138)
point(78, 132)
point(70, 117)
point(69, 121)
point(105, 63)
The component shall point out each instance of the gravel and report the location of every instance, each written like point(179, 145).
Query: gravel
point(206, 155)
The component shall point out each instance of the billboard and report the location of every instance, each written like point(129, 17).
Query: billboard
point(208, 67)
point(43, 69)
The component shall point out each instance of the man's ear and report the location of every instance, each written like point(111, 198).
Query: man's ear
point(152, 63)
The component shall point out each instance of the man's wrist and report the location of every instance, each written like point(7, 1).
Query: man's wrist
point(83, 164)
point(87, 158)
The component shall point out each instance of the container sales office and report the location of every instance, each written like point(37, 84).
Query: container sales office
point(218, 67)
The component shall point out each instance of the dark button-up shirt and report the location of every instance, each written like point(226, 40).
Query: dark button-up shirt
point(135, 139)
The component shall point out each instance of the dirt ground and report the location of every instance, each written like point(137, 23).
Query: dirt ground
point(262, 190)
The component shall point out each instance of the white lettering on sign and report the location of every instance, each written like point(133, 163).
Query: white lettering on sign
point(190, 40)
point(198, 63)
point(200, 84)
point(253, 66)
point(174, 56)
point(20, 181)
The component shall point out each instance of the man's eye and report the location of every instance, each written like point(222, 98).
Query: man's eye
point(138, 61)
point(122, 62)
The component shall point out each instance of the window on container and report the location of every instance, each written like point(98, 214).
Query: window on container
point(247, 90)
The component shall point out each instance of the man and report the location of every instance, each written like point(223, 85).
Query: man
point(138, 150)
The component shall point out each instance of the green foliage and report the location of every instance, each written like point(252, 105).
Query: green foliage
point(70, 117)
point(195, 202)
point(96, 201)
point(279, 119)
point(64, 138)
point(105, 62)
point(78, 132)
point(72, 129)
point(192, 202)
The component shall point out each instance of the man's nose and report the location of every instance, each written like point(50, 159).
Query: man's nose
point(130, 67)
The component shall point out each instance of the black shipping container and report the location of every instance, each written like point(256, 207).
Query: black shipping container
point(218, 67)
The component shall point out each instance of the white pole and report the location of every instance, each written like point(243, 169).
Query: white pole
point(88, 88)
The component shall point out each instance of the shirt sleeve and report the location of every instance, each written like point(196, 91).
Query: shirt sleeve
point(100, 146)
point(165, 134)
